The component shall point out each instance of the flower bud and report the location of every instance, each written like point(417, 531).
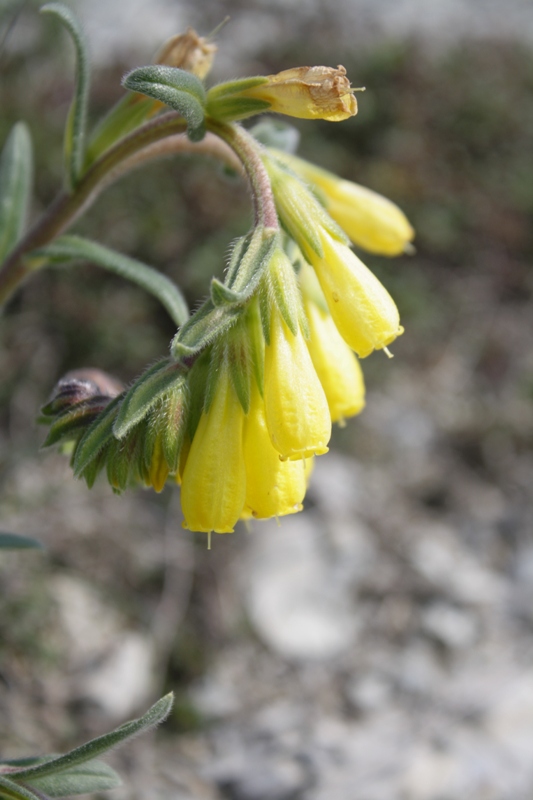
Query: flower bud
point(188, 51)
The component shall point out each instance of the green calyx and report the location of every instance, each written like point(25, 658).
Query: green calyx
point(229, 102)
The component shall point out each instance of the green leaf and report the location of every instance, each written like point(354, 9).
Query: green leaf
point(276, 133)
point(87, 752)
point(180, 90)
point(163, 377)
point(67, 248)
point(76, 128)
point(16, 170)
point(13, 541)
point(94, 776)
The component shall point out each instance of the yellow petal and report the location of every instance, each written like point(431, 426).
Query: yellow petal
point(273, 487)
point(214, 481)
point(297, 411)
point(361, 307)
point(338, 369)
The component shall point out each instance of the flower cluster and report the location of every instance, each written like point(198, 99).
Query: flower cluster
point(259, 373)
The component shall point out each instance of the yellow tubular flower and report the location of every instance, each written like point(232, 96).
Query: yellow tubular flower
point(214, 481)
point(297, 412)
point(361, 307)
point(307, 93)
point(273, 487)
point(338, 369)
point(371, 221)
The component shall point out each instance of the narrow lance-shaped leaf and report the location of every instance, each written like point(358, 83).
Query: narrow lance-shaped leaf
point(88, 752)
point(67, 248)
point(180, 90)
point(94, 776)
point(9, 790)
point(16, 170)
point(14, 541)
point(76, 127)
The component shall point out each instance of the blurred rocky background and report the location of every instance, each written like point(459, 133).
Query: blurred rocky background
point(380, 644)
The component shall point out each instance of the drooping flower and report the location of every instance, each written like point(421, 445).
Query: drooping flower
point(361, 307)
point(337, 367)
point(274, 487)
point(371, 221)
point(213, 486)
point(297, 412)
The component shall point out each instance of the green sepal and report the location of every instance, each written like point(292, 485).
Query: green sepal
point(216, 364)
point(69, 425)
point(14, 541)
point(229, 88)
point(174, 415)
point(130, 112)
point(16, 172)
point(231, 109)
point(180, 90)
point(265, 311)
point(76, 127)
point(226, 102)
point(95, 467)
point(207, 324)
point(277, 133)
point(240, 364)
point(162, 377)
point(125, 459)
point(95, 438)
point(167, 424)
point(256, 343)
point(68, 248)
point(285, 290)
point(197, 382)
point(222, 295)
point(245, 275)
point(58, 765)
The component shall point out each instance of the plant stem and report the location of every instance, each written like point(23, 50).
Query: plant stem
point(248, 150)
point(67, 207)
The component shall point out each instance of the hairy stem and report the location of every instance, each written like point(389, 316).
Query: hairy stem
point(248, 151)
